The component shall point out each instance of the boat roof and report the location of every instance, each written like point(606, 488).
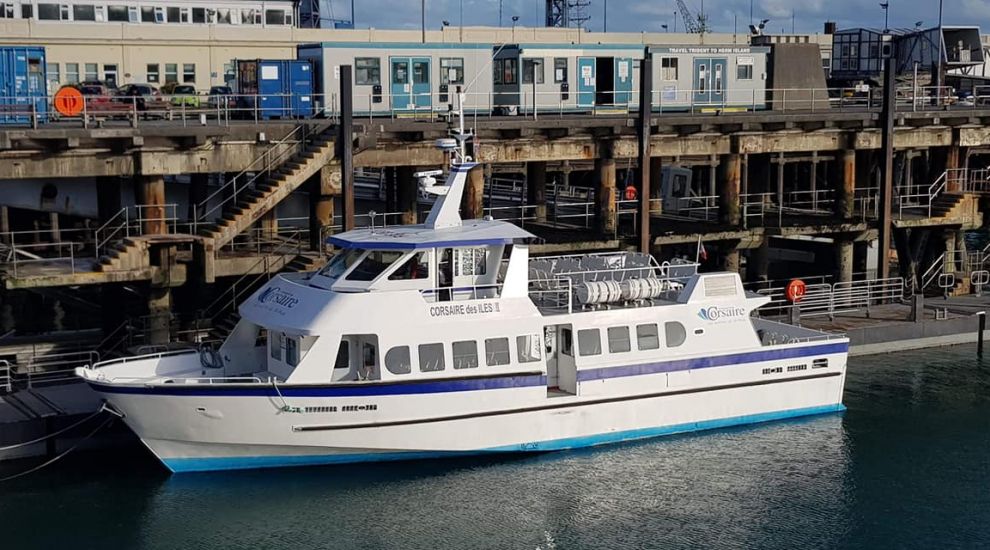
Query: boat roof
point(411, 237)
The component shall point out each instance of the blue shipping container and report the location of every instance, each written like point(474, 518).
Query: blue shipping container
point(284, 87)
point(22, 84)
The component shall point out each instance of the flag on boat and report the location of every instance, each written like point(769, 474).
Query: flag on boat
point(701, 254)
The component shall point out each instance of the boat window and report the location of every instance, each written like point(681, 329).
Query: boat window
point(291, 351)
point(373, 265)
point(528, 348)
point(343, 356)
point(589, 342)
point(618, 339)
point(497, 351)
point(473, 261)
point(567, 342)
point(431, 357)
point(674, 333)
point(397, 360)
point(465, 354)
point(275, 342)
point(647, 337)
point(339, 264)
point(416, 266)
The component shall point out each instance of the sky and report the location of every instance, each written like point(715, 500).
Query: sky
point(649, 15)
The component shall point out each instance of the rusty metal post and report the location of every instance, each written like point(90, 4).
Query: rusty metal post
point(345, 146)
point(473, 200)
point(730, 212)
point(536, 189)
point(645, 160)
point(605, 190)
point(887, 163)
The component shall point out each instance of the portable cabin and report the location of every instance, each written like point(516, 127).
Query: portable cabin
point(568, 77)
point(276, 88)
point(22, 84)
point(404, 78)
point(709, 78)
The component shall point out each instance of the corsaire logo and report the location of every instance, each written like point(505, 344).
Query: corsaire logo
point(716, 313)
point(276, 295)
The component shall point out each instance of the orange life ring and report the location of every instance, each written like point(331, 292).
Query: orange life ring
point(796, 290)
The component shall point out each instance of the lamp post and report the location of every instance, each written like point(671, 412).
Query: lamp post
point(514, 19)
point(605, 13)
point(461, 26)
point(886, 12)
point(423, 12)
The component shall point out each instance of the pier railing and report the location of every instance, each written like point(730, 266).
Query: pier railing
point(833, 299)
point(6, 385)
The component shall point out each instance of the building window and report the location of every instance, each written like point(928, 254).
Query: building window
point(452, 70)
point(223, 17)
point(199, 15)
point(71, 73)
point(173, 15)
point(27, 11)
point(744, 68)
point(110, 75)
point(171, 72)
point(92, 72)
point(147, 14)
point(505, 71)
point(397, 360)
point(368, 71)
point(589, 342)
point(152, 73)
point(53, 75)
point(117, 14)
point(559, 70)
point(48, 12)
point(528, 348)
point(251, 17)
point(618, 340)
point(6, 10)
point(647, 337)
point(64, 12)
point(532, 68)
point(431, 357)
point(496, 351)
point(229, 74)
point(189, 73)
point(275, 17)
point(82, 12)
point(465, 354)
point(668, 68)
point(674, 334)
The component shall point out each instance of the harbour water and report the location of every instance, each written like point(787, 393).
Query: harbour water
point(906, 466)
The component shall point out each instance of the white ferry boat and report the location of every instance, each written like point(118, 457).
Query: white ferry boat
point(447, 339)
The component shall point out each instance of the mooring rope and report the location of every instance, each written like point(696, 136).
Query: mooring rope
point(60, 456)
point(54, 434)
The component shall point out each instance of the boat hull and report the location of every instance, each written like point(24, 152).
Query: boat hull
point(224, 432)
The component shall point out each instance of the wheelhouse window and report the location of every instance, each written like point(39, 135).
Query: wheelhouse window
point(276, 342)
point(465, 354)
point(473, 261)
point(496, 351)
point(367, 71)
point(431, 358)
point(532, 68)
point(291, 351)
point(647, 337)
point(528, 348)
point(373, 265)
point(674, 333)
point(452, 70)
point(589, 342)
point(618, 340)
point(397, 360)
point(341, 262)
point(416, 266)
point(343, 360)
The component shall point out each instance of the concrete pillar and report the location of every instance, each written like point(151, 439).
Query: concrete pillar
point(199, 189)
point(408, 195)
point(473, 201)
point(844, 260)
point(949, 237)
point(4, 225)
point(729, 209)
point(536, 189)
point(151, 199)
point(53, 226)
point(321, 191)
point(605, 190)
point(390, 179)
point(845, 184)
point(758, 267)
point(159, 315)
point(953, 162)
point(729, 258)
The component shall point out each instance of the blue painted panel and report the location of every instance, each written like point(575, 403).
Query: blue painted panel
point(301, 88)
point(422, 93)
point(586, 81)
point(23, 84)
point(401, 87)
point(273, 102)
point(623, 79)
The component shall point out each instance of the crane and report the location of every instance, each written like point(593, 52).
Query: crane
point(697, 24)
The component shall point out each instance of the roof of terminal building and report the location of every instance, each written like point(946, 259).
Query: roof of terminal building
point(411, 237)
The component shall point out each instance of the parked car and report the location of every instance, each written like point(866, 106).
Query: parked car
point(221, 96)
point(183, 94)
point(100, 100)
point(146, 97)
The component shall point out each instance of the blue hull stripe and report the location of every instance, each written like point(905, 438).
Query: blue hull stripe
point(709, 362)
point(179, 465)
point(474, 384)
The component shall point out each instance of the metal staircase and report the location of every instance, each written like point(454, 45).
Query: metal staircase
point(282, 169)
